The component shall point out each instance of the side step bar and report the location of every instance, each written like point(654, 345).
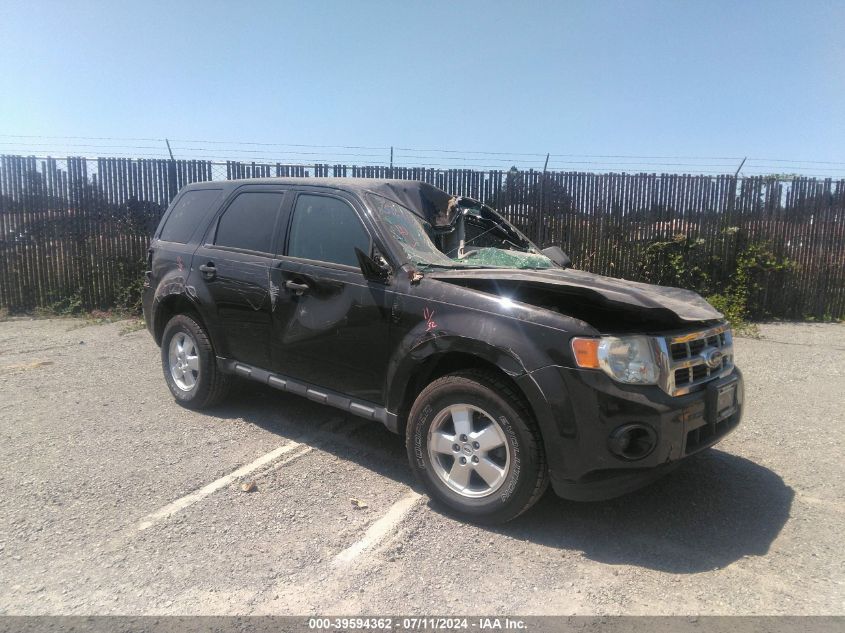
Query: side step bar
point(334, 399)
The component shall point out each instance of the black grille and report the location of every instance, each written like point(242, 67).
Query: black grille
point(679, 351)
point(688, 351)
point(686, 375)
point(709, 433)
point(696, 346)
point(682, 351)
point(699, 372)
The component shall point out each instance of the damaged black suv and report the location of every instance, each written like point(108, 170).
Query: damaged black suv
point(504, 368)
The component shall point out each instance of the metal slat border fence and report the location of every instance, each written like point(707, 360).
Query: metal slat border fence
point(74, 231)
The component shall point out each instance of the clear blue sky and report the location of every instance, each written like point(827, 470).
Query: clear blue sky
point(586, 79)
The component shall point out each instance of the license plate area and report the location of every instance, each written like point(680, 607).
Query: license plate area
point(722, 400)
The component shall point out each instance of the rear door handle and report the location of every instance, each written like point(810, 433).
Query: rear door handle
point(208, 270)
point(298, 288)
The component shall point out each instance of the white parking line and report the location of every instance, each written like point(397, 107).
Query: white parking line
point(180, 504)
point(381, 528)
point(284, 462)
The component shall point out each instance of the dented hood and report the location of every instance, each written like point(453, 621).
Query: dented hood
point(686, 305)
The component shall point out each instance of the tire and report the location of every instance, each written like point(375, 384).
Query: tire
point(503, 451)
point(196, 382)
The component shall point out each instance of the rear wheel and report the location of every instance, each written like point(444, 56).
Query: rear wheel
point(190, 365)
point(474, 445)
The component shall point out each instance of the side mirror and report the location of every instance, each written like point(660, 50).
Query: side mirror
point(560, 258)
point(372, 269)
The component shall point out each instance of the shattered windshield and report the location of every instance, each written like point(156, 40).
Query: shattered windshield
point(474, 238)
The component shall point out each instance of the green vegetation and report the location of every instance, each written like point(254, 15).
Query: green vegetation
point(126, 306)
point(728, 272)
point(126, 298)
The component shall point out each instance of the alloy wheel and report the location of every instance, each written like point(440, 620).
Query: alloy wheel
point(184, 361)
point(468, 450)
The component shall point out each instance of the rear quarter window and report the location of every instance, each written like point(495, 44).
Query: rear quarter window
point(249, 221)
point(191, 211)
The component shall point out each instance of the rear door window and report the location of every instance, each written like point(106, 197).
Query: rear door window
point(191, 211)
point(326, 229)
point(249, 221)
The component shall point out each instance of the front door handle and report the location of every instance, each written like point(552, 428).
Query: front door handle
point(208, 270)
point(298, 288)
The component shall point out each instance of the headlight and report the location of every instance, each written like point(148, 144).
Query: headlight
point(628, 359)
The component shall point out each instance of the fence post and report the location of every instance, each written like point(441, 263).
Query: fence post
point(172, 184)
point(542, 211)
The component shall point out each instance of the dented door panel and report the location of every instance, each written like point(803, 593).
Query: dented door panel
point(239, 289)
point(335, 332)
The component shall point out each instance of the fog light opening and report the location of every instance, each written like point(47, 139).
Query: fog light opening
point(632, 441)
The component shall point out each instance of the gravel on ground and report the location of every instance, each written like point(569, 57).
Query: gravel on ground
point(92, 445)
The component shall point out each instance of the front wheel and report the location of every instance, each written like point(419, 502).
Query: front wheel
point(190, 365)
point(474, 445)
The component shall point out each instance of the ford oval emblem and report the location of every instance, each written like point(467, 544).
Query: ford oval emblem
point(713, 358)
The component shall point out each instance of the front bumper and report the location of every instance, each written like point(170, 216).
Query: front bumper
point(579, 410)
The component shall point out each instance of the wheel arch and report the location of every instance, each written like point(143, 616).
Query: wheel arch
point(496, 384)
point(170, 305)
point(410, 380)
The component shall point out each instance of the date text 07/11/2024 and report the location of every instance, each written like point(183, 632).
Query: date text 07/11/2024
point(416, 623)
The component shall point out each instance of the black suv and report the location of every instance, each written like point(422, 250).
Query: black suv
point(504, 368)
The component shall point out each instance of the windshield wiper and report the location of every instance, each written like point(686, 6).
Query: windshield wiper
point(448, 266)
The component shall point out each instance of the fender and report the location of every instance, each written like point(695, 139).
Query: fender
point(403, 366)
point(545, 393)
point(174, 285)
point(518, 347)
point(505, 346)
